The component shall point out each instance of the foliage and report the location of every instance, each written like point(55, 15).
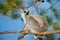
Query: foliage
point(15, 14)
point(56, 26)
point(55, 12)
point(9, 6)
point(49, 20)
point(49, 1)
point(42, 12)
point(49, 37)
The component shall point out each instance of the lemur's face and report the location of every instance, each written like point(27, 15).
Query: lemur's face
point(24, 12)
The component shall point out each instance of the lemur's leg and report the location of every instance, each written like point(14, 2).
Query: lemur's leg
point(23, 32)
point(22, 36)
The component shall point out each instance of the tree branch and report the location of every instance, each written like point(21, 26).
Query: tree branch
point(41, 33)
point(9, 32)
point(47, 32)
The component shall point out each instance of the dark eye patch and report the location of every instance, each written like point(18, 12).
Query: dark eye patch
point(24, 11)
point(27, 13)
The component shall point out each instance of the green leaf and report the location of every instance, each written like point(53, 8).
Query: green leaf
point(49, 20)
point(15, 14)
point(42, 12)
point(16, 3)
point(56, 26)
point(50, 37)
point(3, 8)
point(19, 3)
point(55, 12)
point(10, 12)
point(49, 1)
point(9, 6)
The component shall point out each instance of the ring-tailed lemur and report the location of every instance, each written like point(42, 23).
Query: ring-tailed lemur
point(34, 24)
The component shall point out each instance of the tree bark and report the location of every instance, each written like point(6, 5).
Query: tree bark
point(41, 33)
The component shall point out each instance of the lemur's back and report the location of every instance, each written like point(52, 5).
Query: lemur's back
point(37, 23)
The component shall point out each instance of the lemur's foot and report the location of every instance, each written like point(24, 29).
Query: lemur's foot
point(22, 31)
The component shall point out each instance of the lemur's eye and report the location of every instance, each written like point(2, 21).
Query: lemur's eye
point(24, 11)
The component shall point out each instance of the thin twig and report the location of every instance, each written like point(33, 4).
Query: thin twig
point(41, 33)
point(9, 32)
point(44, 33)
point(48, 8)
point(51, 5)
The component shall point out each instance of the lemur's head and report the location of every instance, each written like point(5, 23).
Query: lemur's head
point(24, 12)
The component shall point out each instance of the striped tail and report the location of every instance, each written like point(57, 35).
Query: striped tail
point(38, 37)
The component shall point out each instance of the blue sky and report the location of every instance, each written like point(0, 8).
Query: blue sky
point(8, 24)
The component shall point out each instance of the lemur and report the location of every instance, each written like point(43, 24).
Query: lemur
point(34, 24)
